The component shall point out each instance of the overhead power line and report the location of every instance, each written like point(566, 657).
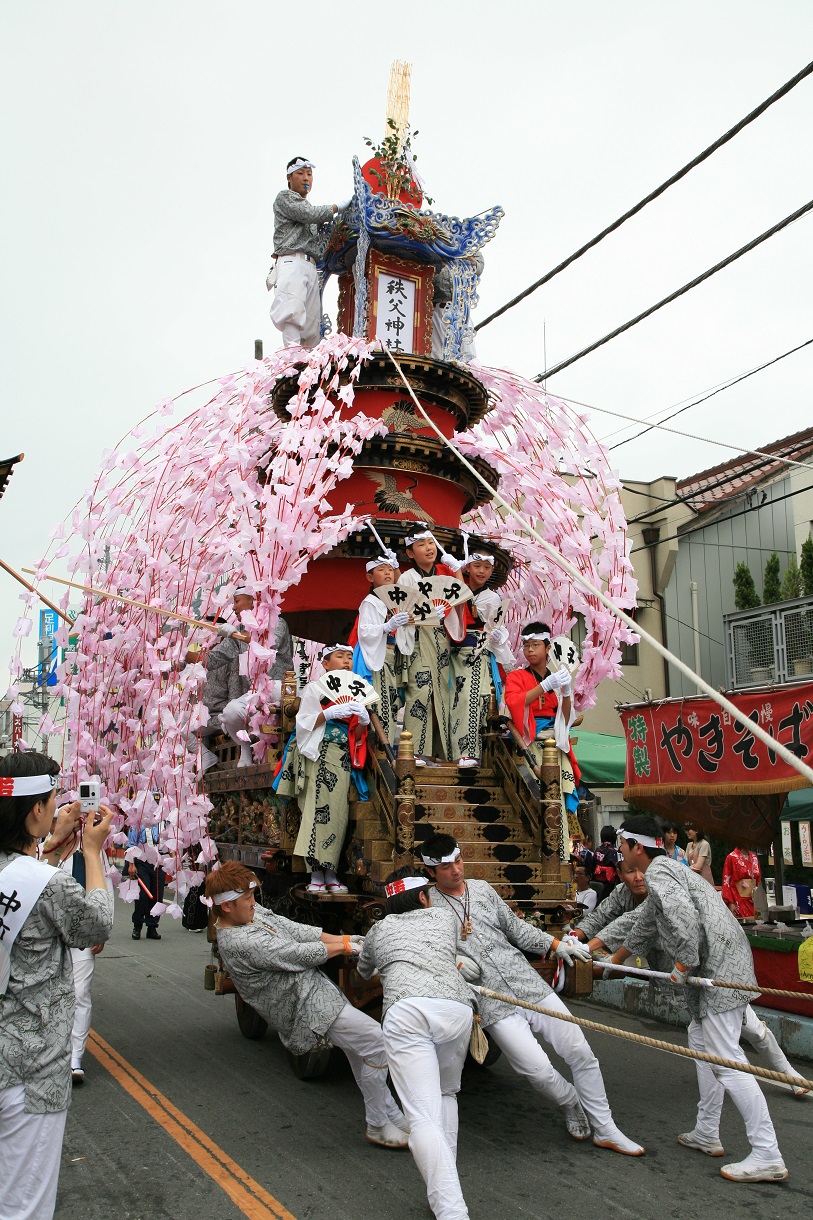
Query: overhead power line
point(687, 406)
point(681, 173)
point(679, 292)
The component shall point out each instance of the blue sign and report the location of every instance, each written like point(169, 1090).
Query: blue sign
point(49, 652)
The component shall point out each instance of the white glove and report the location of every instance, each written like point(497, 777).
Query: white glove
point(362, 713)
point(468, 967)
point(566, 691)
point(356, 945)
point(345, 204)
point(441, 612)
point(226, 629)
point(451, 561)
point(499, 636)
point(340, 711)
point(558, 680)
point(398, 620)
point(271, 278)
point(570, 948)
point(680, 974)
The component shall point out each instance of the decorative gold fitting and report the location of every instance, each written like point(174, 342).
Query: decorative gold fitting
point(405, 745)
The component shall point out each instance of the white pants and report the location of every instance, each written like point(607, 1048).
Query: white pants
point(234, 719)
point(515, 1037)
point(30, 1148)
point(718, 1033)
point(360, 1037)
point(426, 1043)
point(297, 306)
point(758, 1034)
point(84, 963)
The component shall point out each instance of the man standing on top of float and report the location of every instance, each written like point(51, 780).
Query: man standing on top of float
point(297, 306)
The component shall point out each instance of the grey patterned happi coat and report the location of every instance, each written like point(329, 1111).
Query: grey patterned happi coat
point(274, 964)
point(498, 943)
point(686, 920)
point(615, 904)
point(297, 223)
point(415, 954)
point(36, 1013)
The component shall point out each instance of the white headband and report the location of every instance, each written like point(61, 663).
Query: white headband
point(644, 840)
point(535, 635)
point(480, 557)
point(26, 785)
point(232, 895)
point(243, 591)
point(326, 652)
point(403, 884)
point(299, 163)
point(381, 560)
point(443, 860)
point(423, 531)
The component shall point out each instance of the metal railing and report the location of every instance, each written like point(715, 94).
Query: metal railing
point(771, 645)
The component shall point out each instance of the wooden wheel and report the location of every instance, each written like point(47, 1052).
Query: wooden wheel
point(310, 1065)
point(252, 1025)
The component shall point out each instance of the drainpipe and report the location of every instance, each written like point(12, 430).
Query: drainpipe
point(695, 628)
point(650, 535)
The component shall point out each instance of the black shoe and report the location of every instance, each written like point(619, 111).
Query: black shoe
point(153, 934)
point(136, 933)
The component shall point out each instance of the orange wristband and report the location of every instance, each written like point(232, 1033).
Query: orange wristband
point(347, 948)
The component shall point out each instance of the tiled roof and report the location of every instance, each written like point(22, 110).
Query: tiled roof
point(7, 470)
point(714, 486)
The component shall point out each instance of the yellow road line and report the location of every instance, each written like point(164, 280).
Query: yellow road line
point(252, 1200)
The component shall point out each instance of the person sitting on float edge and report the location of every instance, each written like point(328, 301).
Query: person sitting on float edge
point(426, 1025)
point(687, 921)
point(45, 913)
point(330, 743)
point(475, 678)
point(426, 659)
point(297, 306)
point(274, 964)
point(378, 636)
point(491, 934)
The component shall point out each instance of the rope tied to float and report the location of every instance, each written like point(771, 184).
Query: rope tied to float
point(798, 1082)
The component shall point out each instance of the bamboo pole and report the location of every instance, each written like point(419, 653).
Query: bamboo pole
point(129, 601)
point(36, 592)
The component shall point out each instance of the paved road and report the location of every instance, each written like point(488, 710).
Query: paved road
point(184, 1119)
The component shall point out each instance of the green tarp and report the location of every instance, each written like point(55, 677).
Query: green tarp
point(602, 758)
point(799, 806)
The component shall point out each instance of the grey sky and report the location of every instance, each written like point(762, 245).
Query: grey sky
point(145, 141)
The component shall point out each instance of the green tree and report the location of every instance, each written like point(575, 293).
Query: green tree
point(791, 581)
point(745, 591)
point(806, 567)
point(771, 585)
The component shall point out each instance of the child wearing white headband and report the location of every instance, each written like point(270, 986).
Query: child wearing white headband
point(379, 632)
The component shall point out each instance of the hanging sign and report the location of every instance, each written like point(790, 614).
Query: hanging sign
point(806, 844)
point(787, 843)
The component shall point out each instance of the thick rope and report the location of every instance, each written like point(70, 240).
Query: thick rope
point(659, 976)
point(798, 1082)
point(736, 713)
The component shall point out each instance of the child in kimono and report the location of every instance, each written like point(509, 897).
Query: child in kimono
point(426, 660)
point(379, 632)
point(275, 967)
point(474, 662)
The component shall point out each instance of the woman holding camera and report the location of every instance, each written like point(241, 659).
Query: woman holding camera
point(44, 913)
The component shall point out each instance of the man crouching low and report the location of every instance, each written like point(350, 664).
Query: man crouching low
point(274, 964)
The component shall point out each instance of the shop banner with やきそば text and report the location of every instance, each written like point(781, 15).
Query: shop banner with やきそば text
point(690, 760)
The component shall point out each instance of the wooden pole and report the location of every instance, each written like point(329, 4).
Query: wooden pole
point(31, 589)
point(129, 601)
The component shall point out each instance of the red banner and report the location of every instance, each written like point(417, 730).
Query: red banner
point(690, 747)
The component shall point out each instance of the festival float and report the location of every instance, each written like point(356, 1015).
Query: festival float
point(278, 481)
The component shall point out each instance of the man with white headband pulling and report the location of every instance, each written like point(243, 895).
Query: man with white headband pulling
point(297, 306)
point(427, 1025)
point(490, 933)
point(476, 659)
point(330, 743)
point(685, 919)
point(274, 964)
point(425, 670)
